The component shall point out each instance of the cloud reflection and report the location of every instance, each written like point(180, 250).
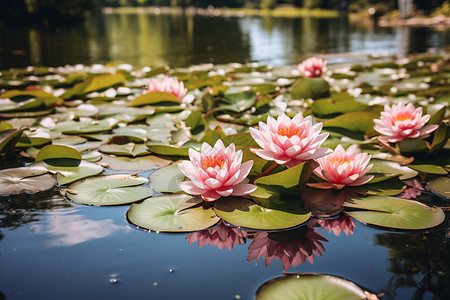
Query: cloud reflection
point(67, 230)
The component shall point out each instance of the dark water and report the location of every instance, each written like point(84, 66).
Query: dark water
point(178, 41)
point(51, 249)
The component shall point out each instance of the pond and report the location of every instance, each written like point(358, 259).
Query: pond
point(179, 41)
point(53, 247)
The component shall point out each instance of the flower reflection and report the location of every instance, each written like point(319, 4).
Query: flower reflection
point(290, 247)
point(220, 236)
point(342, 223)
point(413, 189)
point(68, 230)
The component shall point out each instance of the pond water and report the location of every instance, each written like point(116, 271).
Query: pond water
point(179, 41)
point(51, 248)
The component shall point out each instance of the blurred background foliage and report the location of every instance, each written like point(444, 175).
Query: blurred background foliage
point(58, 10)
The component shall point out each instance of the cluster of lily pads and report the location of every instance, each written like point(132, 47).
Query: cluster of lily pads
point(104, 136)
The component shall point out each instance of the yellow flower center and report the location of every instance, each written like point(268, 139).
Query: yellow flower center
point(289, 131)
point(340, 160)
point(213, 161)
point(402, 116)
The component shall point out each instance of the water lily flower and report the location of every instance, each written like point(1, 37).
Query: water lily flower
point(289, 141)
point(219, 236)
point(290, 253)
point(216, 172)
point(399, 122)
point(342, 168)
point(168, 85)
point(312, 67)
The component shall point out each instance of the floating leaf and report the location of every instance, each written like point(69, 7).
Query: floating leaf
point(337, 104)
point(440, 186)
point(8, 139)
point(236, 102)
point(360, 121)
point(172, 213)
point(305, 286)
point(25, 180)
point(394, 212)
point(52, 152)
point(155, 98)
point(109, 190)
point(171, 150)
point(289, 181)
point(131, 149)
point(429, 168)
point(140, 163)
point(243, 212)
point(392, 168)
point(167, 179)
point(413, 146)
point(69, 174)
point(313, 88)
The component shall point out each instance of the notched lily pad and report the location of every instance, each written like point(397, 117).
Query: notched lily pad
point(123, 163)
point(172, 213)
point(109, 190)
point(394, 212)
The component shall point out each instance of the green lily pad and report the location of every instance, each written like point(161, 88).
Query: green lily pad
point(394, 212)
point(131, 149)
point(392, 168)
point(245, 213)
point(109, 190)
point(8, 139)
point(73, 127)
point(413, 146)
point(172, 213)
point(155, 98)
point(25, 141)
point(167, 179)
point(69, 174)
point(289, 181)
point(139, 163)
point(25, 180)
point(360, 121)
point(429, 168)
point(95, 83)
point(305, 286)
point(236, 102)
point(313, 88)
point(52, 152)
point(440, 186)
point(171, 150)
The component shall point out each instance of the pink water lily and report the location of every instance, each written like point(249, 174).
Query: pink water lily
point(289, 141)
point(312, 67)
point(399, 122)
point(342, 168)
point(216, 172)
point(168, 85)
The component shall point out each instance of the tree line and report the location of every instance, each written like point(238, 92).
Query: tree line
point(34, 10)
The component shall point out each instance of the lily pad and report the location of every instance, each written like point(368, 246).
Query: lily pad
point(131, 149)
point(314, 88)
point(429, 168)
point(140, 163)
point(392, 168)
point(52, 152)
point(69, 174)
point(305, 286)
point(155, 98)
point(8, 139)
point(245, 213)
point(167, 179)
point(440, 186)
point(109, 190)
point(172, 213)
point(25, 180)
point(394, 212)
